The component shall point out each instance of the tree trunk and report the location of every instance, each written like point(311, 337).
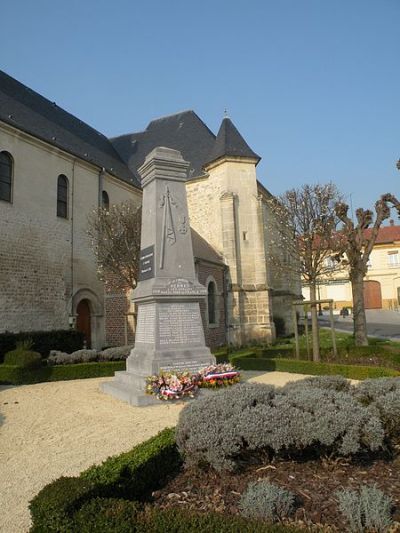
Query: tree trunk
point(314, 322)
point(359, 319)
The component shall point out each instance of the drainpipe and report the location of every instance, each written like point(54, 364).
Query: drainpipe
point(72, 314)
point(102, 173)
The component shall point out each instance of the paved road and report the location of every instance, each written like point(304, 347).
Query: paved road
point(380, 323)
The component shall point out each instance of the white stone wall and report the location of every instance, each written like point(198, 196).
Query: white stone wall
point(46, 264)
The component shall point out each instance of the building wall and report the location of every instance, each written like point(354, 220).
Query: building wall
point(46, 263)
point(225, 208)
point(215, 334)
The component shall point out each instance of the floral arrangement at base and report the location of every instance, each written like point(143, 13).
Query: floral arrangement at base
point(172, 385)
point(221, 375)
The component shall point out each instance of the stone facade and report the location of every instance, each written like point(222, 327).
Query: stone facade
point(47, 266)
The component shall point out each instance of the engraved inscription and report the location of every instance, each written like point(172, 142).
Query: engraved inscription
point(182, 366)
point(180, 323)
point(181, 286)
point(145, 323)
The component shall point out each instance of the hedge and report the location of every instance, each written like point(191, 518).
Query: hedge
point(250, 362)
point(134, 474)
point(20, 376)
point(68, 340)
point(111, 497)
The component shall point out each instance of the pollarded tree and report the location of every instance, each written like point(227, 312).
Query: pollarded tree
point(358, 242)
point(306, 224)
point(115, 241)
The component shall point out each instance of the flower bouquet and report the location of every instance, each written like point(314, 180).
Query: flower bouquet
point(221, 375)
point(172, 385)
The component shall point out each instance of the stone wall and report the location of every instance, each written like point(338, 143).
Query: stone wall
point(215, 334)
point(46, 263)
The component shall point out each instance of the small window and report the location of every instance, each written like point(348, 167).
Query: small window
point(105, 200)
point(211, 303)
point(62, 196)
point(6, 174)
point(393, 259)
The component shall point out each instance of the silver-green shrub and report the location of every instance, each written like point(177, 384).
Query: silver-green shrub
point(115, 354)
point(266, 500)
point(366, 511)
point(337, 383)
point(383, 396)
point(80, 356)
point(369, 390)
point(219, 429)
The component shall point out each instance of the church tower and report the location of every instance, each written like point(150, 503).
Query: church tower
point(227, 212)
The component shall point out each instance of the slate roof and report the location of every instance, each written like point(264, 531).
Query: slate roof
point(28, 111)
point(203, 250)
point(229, 142)
point(183, 131)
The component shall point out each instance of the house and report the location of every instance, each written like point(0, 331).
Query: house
point(382, 282)
point(55, 169)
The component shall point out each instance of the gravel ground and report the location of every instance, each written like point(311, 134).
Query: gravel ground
point(52, 429)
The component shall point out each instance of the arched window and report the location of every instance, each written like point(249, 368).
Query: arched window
point(6, 175)
point(211, 303)
point(105, 200)
point(62, 196)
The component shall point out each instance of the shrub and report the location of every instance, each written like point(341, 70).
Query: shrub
point(115, 354)
point(23, 359)
point(287, 421)
point(266, 500)
point(135, 474)
point(43, 341)
point(251, 362)
point(369, 510)
point(337, 383)
point(18, 375)
point(106, 514)
point(80, 356)
point(53, 507)
point(370, 390)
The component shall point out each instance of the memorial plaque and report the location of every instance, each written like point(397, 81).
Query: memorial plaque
point(146, 324)
point(180, 286)
point(179, 323)
point(146, 263)
point(183, 366)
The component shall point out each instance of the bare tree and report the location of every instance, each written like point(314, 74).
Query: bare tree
point(358, 242)
point(307, 223)
point(115, 240)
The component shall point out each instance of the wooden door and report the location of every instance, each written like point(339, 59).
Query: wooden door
point(372, 295)
point(83, 322)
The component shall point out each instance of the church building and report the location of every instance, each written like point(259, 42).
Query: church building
point(55, 169)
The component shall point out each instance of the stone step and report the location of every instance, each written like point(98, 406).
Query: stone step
point(124, 392)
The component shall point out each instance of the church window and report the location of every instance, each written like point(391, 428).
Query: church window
point(105, 200)
point(211, 303)
point(6, 172)
point(62, 196)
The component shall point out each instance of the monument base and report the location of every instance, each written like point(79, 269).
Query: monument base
point(129, 386)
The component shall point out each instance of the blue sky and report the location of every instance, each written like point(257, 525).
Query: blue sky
point(312, 85)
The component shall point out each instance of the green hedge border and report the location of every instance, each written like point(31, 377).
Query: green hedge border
point(65, 505)
point(15, 375)
point(249, 361)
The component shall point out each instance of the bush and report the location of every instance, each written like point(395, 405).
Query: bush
point(135, 474)
point(18, 375)
point(53, 507)
point(43, 341)
point(248, 419)
point(23, 359)
point(369, 510)
point(106, 514)
point(250, 362)
point(372, 389)
point(115, 354)
point(85, 356)
point(337, 383)
point(265, 500)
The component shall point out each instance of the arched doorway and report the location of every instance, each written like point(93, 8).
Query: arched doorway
point(372, 295)
point(83, 321)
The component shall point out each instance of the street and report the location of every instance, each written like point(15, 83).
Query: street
point(380, 323)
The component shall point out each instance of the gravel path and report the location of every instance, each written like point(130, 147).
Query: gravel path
point(61, 428)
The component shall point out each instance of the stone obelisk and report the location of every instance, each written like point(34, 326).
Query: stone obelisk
point(169, 332)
